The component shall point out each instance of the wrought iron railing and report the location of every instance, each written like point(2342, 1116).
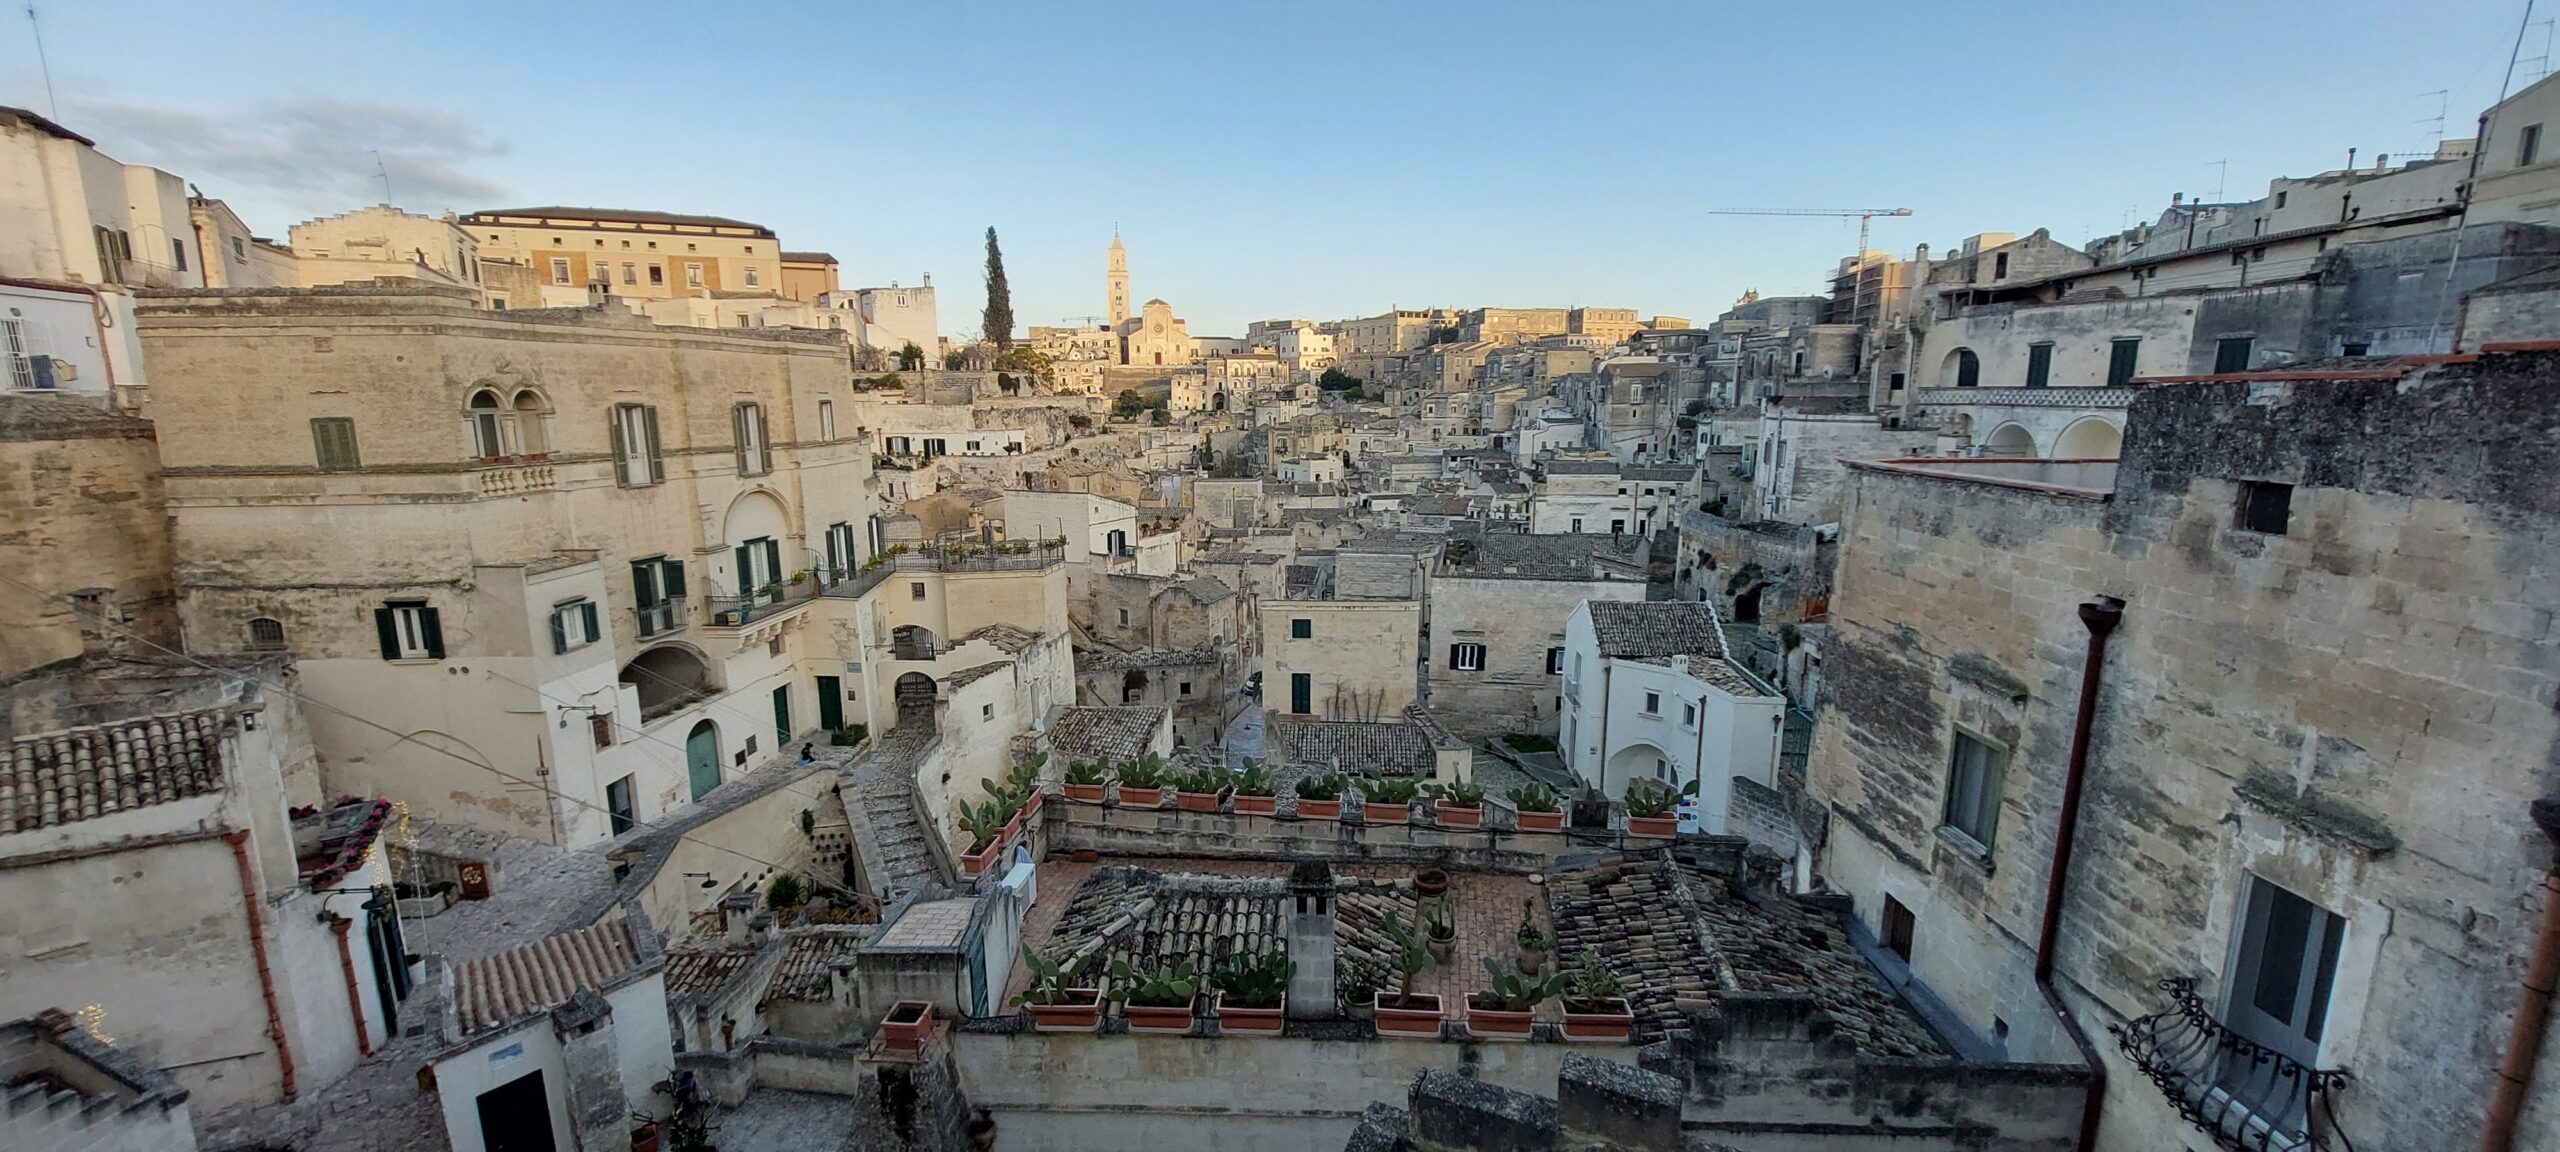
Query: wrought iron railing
point(2247, 1096)
point(659, 618)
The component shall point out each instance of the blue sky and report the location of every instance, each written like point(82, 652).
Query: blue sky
point(1313, 160)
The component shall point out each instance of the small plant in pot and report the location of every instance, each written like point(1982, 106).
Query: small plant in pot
point(1458, 805)
point(1593, 1009)
point(1430, 881)
point(1022, 782)
point(1155, 1000)
point(1534, 945)
point(1538, 807)
point(1440, 930)
point(1256, 793)
point(985, 822)
point(1388, 799)
point(1405, 1012)
point(1084, 781)
point(1253, 992)
point(1650, 805)
point(1507, 1007)
point(1059, 998)
point(1142, 782)
point(1355, 992)
point(1200, 789)
point(1320, 797)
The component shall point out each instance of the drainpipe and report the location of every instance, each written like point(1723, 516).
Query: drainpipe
point(2100, 616)
point(2524, 1042)
point(249, 900)
point(355, 1000)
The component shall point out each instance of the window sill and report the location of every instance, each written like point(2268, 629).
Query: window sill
point(416, 660)
point(1964, 848)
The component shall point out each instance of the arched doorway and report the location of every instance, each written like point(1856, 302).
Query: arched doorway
point(667, 678)
point(1962, 369)
point(916, 694)
point(2091, 438)
point(1746, 605)
point(702, 758)
point(913, 642)
point(1640, 761)
point(1218, 402)
point(2010, 442)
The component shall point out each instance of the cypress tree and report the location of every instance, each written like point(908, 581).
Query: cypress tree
point(997, 325)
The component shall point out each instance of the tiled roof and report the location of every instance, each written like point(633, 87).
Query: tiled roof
point(807, 955)
point(1581, 467)
point(1153, 918)
point(1656, 628)
point(968, 676)
point(1005, 636)
point(1205, 589)
point(1114, 660)
point(1360, 747)
point(932, 924)
point(494, 991)
point(1105, 733)
point(1520, 556)
point(696, 974)
point(84, 773)
point(808, 258)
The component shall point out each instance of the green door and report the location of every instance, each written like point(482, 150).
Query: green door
point(702, 758)
point(830, 703)
point(782, 716)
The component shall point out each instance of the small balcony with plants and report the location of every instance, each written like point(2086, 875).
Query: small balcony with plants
point(727, 608)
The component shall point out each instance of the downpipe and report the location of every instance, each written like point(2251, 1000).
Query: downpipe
point(249, 899)
point(2542, 975)
point(2100, 616)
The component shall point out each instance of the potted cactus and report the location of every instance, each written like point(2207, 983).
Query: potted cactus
point(1255, 792)
point(1538, 806)
point(1059, 1001)
point(1440, 930)
point(1405, 1012)
point(1649, 807)
point(1023, 781)
point(1084, 782)
point(1508, 1006)
point(1252, 992)
point(1155, 1000)
point(1320, 797)
point(1388, 799)
point(1200, 789)
point(1594, 1011)
point(1534, 944)
point(1142, 782)
point(985, 822)
point(1458, 805)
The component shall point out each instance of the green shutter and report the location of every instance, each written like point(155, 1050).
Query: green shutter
point(644, 583)
point(746, 575)
point(389, 632)
point(587, 616)
point(671, 579)
point(738, 434)
point(657, 463)
point(621, 450)
point(435, 633)
point(559, 634)
point(773, 561)
point(764, 442)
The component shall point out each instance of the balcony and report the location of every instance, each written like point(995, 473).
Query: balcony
point(2027, 397)
point(661, 618)
point(2246, 1096)
point(1003, 557)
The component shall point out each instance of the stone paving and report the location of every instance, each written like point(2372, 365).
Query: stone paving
point(778, 1120)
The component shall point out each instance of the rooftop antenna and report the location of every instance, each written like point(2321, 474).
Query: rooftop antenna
point(2435, 123)
point(2539, 66)
point(2221, 168)
point(383, 172)
point(53, 106)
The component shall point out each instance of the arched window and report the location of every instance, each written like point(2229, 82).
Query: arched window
point(266, 634)
point(531, 438)
point(488, 434)
point(1968, 368)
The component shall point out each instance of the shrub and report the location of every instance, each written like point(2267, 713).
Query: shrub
point(1326, 787)
point(1532, 797)
point(1172, 986)
point(1389, 790)
point(1255, 780)
point(1255, 981)
point(786, 891)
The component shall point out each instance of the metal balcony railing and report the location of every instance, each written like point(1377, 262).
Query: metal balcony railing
point(2246, 1096)
point(1032, 557)
point(727, 610)
point(662, 617)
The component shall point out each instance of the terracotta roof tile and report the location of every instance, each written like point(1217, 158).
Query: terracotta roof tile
point(495, 991)
point(83, 773)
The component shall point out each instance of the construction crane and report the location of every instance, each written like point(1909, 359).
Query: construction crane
point(1863, 214)
point(1083, 321)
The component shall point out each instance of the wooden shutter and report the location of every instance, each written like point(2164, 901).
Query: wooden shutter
point(746, 573)
point(773, 561)
point(1453, 656)
point(389, 630)
point(587, 616)
point(738, 433)
point(621, 450)
point(644, 583)
point(559, 633)
point(764, 442)
point(434, 630)
point(657, 463)
point(671, 579)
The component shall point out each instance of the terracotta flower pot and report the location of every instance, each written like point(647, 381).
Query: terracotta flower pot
point(645, 1137)
point(906, 1026)
point(1541, 821)
point(1083, 793)
point(1257, 805)
point(1452, 816)
point(1241, 1021)
point(975, 864)
point(1030, 808)
point(1418, 1017)
point(1657, 826)
point(1082, 1012)
point(1611, 1022)
point(1195, 801)
point(1496, 1024)
point(1386, 813)
point(1155, 1020)
point(1319, 809)
point(1141, 797)
point(1431, 882)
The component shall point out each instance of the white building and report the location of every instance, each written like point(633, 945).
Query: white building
point(888, 319)
point(565, 1035)
point(1650, 692)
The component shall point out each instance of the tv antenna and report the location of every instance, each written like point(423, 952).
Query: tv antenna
point(52, 105)
point(384, 173)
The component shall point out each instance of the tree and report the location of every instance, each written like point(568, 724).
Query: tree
point(910, 358)
point(1128, 403)
point(1337, 380)
point(998, 324)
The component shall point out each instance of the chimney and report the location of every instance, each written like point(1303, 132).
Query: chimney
point(1311, 940)
point(736, 909)
point(2177, 198)
point(840, 982)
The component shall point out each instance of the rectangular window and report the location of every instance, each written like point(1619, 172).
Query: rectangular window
point(573, 625)
point(1894, 383)
point(1186, 687)
point(759, 573)
point(915, 590)
point(178, 251)
point(617, 804)
point(755, 454)
point(2265, 507)
point(657, 275)
point(839, 550)
point(1999, 265)
point(2231, 354)
point(2528, 145)
point(1555, 661)
point(1577, 524)
point(409, 630)
point(630, 272)
point(657, 588)
point(333, 441)
point(2120, 360)
point(1653, 703)
point(1617, 526)
point(1466, 657)
point(693, 275)
point(1688, 715)
point(1124, 617)
point(1973, 789)
point(600, 729)
point(2039, 365)
point(827, 420)
point(1301, 628)
point(1895, 929)
point(635, 445)
point(751, 275)
point(2279, 997)
point(559, 269)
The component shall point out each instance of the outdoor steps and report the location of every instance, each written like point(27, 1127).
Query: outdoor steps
point(877, 790)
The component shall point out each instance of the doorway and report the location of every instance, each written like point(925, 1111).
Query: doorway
point(702, 758)
point(782, 716)
point(516, 1116)
point(830, 703)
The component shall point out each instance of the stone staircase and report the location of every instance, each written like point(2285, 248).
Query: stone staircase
point(878, 791)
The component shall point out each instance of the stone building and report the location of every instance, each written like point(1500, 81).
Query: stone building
point(383, 241)
point(1498, 610)
point(640, 254)
point(2297, 638)
point(90, 1096)
point(1156, 338)
point(85, 565)
point(1340, 638)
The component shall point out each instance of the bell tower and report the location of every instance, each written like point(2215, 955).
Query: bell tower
point(1117, 275)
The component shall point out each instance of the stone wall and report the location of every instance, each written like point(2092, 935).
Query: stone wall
point(80, 495)
point(1119, 832)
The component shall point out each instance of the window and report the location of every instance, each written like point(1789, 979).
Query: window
point(693, 275)
point(1688, 715)
point(985, 711)
point(936, 446)
point(630, 273)
point(333, 440)
point(1302, 692)
point(1653, 703)
point(409, 631)
point(1186, 687)
point(2528, 145)
point(488, 430)
point(2265, 507)
point(755, 454)
point(266, 634)
point(839, 550)
point(657, 587)
point(1301, 628)
point(178, 252)
point(600, 729)
point(2279, 995)
point(617, 805)
point(1617, 526)
point(2231, 354)
point(2039, 365)
point(1999, 265)
point(1466, 657)
point(1968, 368)
point(559, 269)
point(1973, 789)
point(759, 571)
point(1577, 524)
point(1124, 617)
point(751, 275)
point(497, 303)
point(657, 274)
point(1555, 661)
point(826, 420)
point(1895, 928)
point(2120, 360)
point(1893, 383)
point(635, 445)
point(239, 248)
point(573, 625)
point(915, 590)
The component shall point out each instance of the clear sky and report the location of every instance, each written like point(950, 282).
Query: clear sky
point(1286, 159)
